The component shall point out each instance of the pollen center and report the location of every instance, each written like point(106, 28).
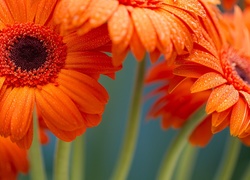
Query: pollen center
point(236, 69)
point(30, 55)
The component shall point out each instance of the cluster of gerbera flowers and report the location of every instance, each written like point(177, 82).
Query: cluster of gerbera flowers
point(52, 54)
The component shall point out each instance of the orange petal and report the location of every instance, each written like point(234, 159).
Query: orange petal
point(90, 96)
point(246, 97)
point(22, 115)
point(15, 118)
point(202, 133)
point(218, 118)
point(208, 81)
point(228, 4)
point(94, 39)
point(161, 27)
point(44, 11)
point(118, 24)
point(205, 59)
point(137, 47)
point(191, 70)
point(26, 141)
point(222, 98)
point(58, 108)
point(5, 14)
point(239, 118)
point(90, 62)
point(221, 126)
point(189, 6)
point(101, 11)
point(18, 10)
point(144, 28)
point(92, 120)
point(62, 134)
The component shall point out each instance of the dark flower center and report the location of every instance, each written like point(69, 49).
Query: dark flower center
point(245, 76)
point(28, 53)
point(236, 69)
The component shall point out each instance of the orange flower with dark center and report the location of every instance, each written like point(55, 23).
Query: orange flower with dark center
point(13, 160)
point(154, 26)
point(226, 74)
point(216, 72)
point(56, 73)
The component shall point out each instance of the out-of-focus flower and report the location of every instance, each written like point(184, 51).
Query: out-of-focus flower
point(12, 160)
point(226, 73)
point(56, 73)
point(218, 64)
point(154, 26)
point(175, 104)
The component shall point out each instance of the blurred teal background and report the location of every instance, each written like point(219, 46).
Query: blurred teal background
point(103, 142)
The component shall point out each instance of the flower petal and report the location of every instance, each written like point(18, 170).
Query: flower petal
point(90, 62)
point(118, 24)
point(202, 133)
point(208, 81)
point(83, 90)
point(15, 118)
point(222, 98)
point(44, 10)
point(58, 108)
point(144, 29)
point(23, 106)
point(239, 118)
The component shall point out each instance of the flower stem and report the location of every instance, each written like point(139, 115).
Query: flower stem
point(78, 153)
point(229, 160)
point(176, 147)
point(129, 143)
point(62, 158)
point(35, 155)
point(246, 175)
point(186, 163)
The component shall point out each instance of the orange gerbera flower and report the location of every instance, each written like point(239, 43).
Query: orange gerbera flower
point(175, 104)
point(216, 72)
point(155, 26)
point(56, 73)
point(224, 71)
point(12, 160)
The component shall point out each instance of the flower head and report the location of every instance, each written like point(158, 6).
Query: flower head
point(12, 160)
point(216, 72)
point(154, 26)
point(56, 73)
point(226, 74)
point(175, 103)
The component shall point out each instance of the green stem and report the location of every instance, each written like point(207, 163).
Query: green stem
point(229, 160)
point(62, 158)
point(171, 158)
point(78, 153)
point(186, 163)
point(35, 155)
point(246, 175)
point(129, 144)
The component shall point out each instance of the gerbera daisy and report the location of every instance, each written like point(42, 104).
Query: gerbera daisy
point(56, 73)
point(226, 74)
point(174, 104)
point(12, 160)
point(154, 26)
